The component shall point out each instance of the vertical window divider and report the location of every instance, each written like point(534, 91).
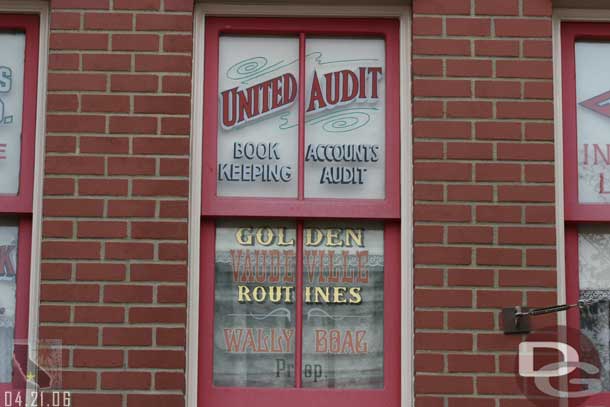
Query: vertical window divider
point(301, 148)
point(298, 339)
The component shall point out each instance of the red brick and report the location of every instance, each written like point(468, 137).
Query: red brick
point(131, 166)
point(471, 402)
point(75, 123)
point(107, 315)
point(429, 319)
point(58, 186)
point(540, 8)
point(144, 187)
point(498, 298)
point(541, 257)
point(442, 213)
point(133, 125)
point(498, 256)
point(427, 67)
point(538, 90)
point(524, 110)
point(65, 21)
point(524, 69)
point(129, 251)
point(173, 251)
point(73, 207)
point(56, 271)
point(496, 48)
point(497, 7)
point(436, 171)
point(159, 230)
point(540, 214)
point(428, 277)
point(57, 228)
point(173, 209)
point(466, 109)
point(60, 144)
point(428, 234)
point(108, 21)
point(70, 335)
point(516, 27)
point(135, 42)
point(428, 108)
point(469, 151)
point(468, 26)
point(163, 104)
point(470, 277)
point(126, 381)
point(70, 250)
point(62, 103)
point(131, 208)
point(171, 295)
point(441, 88)
point(69, 292)
point(79, 380)
point(158, 272)
point(54, 313)
point(137, 4)
point(178, 5)
point(134, 83)
point(539, 131)
point(78, 41)
point(442, 341)
point(497, 385)
point(427, 25)
point(161, 146)
point(526, 193)
point(176, 84)
point(176, 125)
point(526, 235)
point(96, 399)
point(537, 49)
point(168, 315)
point(164, 22)
point(429, 362)
point(470, 193)
point(469, 234)
point(106, 62)
point(174, 167)
point(101, 229)
point(498, 131)
point(445, 384)
point(498, 172)
point(163, 63)
point(105, 103)
point(154, 400)
point(74, 165)
point(499, 341)
point(66, 62)
point(527, 278)
point(471, 320)
point(442, 129)
point(171, 336)
point(128, 294)
point(469, 68)
point(525, 152)
point(428, 192)
point(104, 145)
point(127, 336)
point(178, 43)
point(76, 82)
point(81, 4)
point(498, 214)
point(442, 7)
point(98, 358)
point(427, 150)
point(497, 90)
point(100, 272)
point(428, 46)
point(442, 255)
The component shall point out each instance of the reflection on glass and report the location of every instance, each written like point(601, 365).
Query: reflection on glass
point(254, 317)
point(345, 118)
point(258, 112)
point(8, 285)
point(594, 283)
point(12, 49)
point(343, 274)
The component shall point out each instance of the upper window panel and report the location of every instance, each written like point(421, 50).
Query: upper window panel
point(12, 48)
point(257, 131)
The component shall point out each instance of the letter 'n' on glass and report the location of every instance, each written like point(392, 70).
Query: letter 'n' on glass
point(300, 244)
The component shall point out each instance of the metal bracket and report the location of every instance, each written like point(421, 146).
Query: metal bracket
point(514, 322)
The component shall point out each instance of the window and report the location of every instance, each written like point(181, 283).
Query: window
point(586, 121)
point(300, 260)
point(18, 84)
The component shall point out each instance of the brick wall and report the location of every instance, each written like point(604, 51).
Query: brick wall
point(484, 191)
point(114, 250)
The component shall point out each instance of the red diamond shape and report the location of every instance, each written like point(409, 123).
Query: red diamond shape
point(599, 104)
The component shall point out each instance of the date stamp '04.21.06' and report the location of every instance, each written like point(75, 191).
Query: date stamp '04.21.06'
point(35, 398)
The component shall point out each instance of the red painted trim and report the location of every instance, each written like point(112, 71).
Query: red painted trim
point(210, 395)
point(388, 208)
point(22, 202)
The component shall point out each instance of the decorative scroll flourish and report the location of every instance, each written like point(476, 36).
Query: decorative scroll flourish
point(341, 121)
point(276, 313)
point(319, 312)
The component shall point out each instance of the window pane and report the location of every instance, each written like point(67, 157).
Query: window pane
point(594, 283)
point(345, 116)
point(258, 112)
point(12, 49)
point(8, 289)
point(343, 273)
point(254, 319)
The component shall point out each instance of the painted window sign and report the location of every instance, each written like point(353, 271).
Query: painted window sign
point(8, 293)
point(342, 298)
point(12, 48)
point(343, 117)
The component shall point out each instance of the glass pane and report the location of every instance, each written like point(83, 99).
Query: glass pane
point(254, 319)
point(258, 111)
point(345, 116)
point(9, 233)
point(343, 305)
point(12, 49)
point(594, 283)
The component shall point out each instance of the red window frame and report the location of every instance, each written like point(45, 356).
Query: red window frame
point(575, 213)
point(20, 206)
point(300, 209)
